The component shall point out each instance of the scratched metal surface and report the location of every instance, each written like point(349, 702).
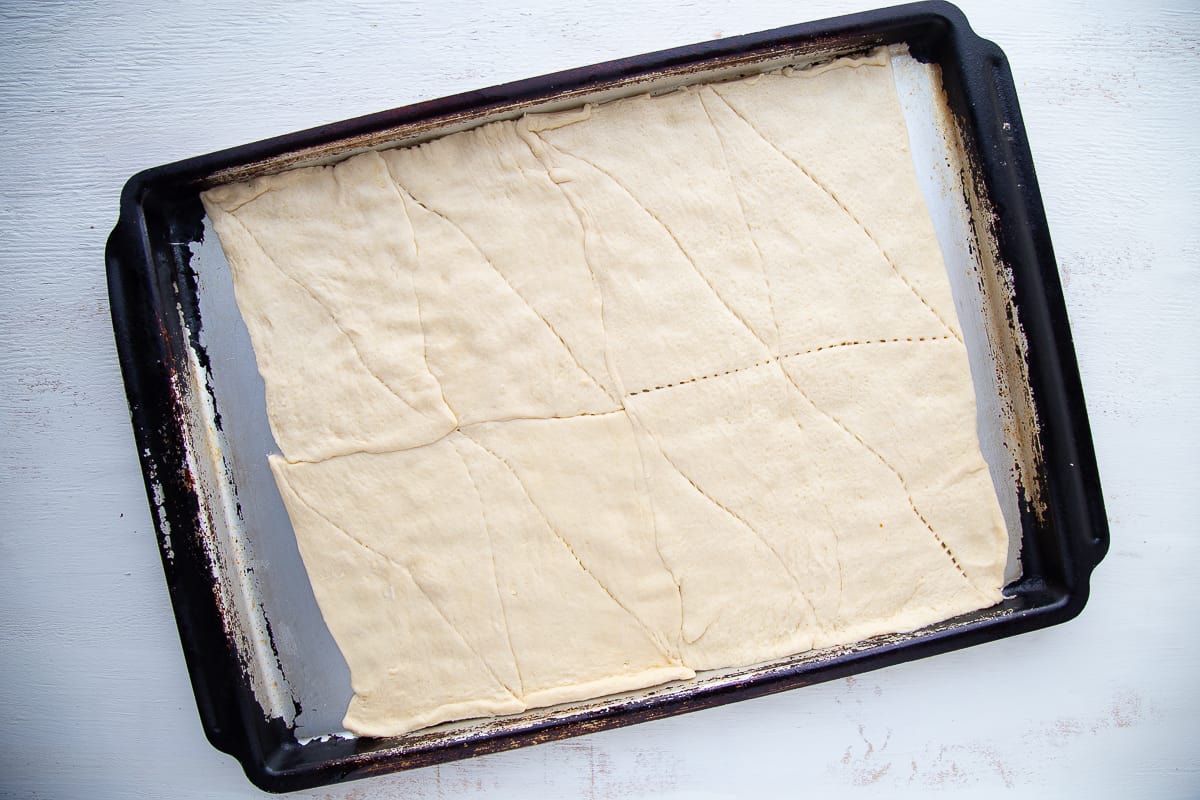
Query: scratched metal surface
point(95, 691)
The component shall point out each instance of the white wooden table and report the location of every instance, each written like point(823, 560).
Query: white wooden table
point(93, 690)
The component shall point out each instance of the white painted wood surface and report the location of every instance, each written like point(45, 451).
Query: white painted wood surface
point(93, 688)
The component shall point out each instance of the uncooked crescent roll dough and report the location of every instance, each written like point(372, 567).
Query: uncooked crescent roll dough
point(585, 402)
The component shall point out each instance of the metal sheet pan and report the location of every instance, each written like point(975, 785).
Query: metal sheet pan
point(271, 685)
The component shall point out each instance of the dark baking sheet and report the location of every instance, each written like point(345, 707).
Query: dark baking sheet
point(204, 519)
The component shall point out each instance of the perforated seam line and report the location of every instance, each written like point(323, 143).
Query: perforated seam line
point(895, 340)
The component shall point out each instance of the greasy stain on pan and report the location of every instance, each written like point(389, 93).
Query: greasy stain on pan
point(269, 682)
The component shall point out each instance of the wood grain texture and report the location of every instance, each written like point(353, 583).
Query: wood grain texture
point(92, 684)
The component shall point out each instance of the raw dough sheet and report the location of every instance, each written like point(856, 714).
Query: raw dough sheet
point(584, 402)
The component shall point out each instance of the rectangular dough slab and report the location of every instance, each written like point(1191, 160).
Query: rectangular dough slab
point(585, 402)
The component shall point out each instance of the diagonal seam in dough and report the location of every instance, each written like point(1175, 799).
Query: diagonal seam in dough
point(710, 376)
point(776, 359)
point(702, 633)
point(528, 136)
point(645, 629)
point(637, 440)
point(679, 245)
point(232, 208)
point(762, 265)
point(407, 571)
point(412, 278)
point(685, 254)
point(860, 343)
point(425, 346)
point(753, 333)
point(329, 312)
point(456, 429)
point(495, 575)
point(903, 483)
point(737, 518)
point(409, 195)
point(797, 354)
point(733, 313)
point(746, 325)
point(866, 231)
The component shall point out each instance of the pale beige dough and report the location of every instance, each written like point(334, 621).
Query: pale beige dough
point(334, 322)
point(584, 402)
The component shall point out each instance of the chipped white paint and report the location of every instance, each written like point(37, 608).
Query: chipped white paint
point(95, 693)
point(224, 537)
